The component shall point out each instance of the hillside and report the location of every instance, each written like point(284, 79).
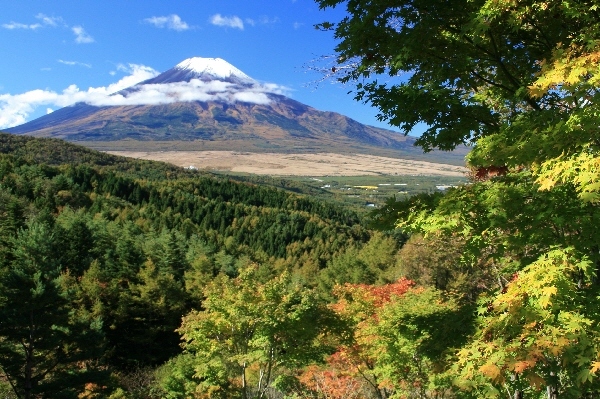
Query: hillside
point(129, 222)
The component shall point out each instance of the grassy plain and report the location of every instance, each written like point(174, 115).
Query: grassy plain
point(319, 164)
point(280, 146)
point(357, 179)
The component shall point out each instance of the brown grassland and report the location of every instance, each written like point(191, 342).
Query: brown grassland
point(319, 164)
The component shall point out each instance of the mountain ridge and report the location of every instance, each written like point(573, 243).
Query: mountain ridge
point(209, 103)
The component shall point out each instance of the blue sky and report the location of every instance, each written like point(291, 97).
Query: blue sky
point(63, 46)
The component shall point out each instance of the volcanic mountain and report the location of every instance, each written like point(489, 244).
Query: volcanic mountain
point(208, 104)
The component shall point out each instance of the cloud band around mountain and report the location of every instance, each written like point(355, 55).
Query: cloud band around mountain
point(16, 109)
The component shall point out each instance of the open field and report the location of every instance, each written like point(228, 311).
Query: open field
point(321, 164)
point(374, 191)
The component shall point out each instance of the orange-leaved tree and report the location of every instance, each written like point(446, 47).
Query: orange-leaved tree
point(396, 343)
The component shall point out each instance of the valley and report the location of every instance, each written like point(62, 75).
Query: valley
point(121, 218)
point(359, 180)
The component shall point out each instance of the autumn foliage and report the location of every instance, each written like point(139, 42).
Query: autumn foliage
point(338, 379)
point(349, 372)
point(391, 349)
point(370, 297)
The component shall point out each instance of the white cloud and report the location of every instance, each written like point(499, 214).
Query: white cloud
point(255, 97)
point(49, 21)
point(297, 25)
point(236, 22)
point(15, 109)
point(17, 25)
point(46, 21)
point(230, 22)
point(265, 20)
point(136, 74)
point(81, 35)
point(49, 111)
point(172, 21)
point(75, 63)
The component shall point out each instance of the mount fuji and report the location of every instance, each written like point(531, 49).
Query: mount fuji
point(208, 104)
point(205, 69)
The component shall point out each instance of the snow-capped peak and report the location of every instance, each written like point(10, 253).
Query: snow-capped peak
point(215, 67)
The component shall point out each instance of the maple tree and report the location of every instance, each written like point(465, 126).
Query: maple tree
point(358, 304)
point(337, 379)
point(542, 332)
point(519, 82)
point(248, 332)
point(396, 345)
point(470, 70)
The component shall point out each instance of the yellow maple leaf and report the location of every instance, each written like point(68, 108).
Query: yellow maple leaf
point(490, 370)
point(521, 366)
point(546, 183)
point(547, 293)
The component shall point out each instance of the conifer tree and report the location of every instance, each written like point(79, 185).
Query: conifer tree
point(47, 348)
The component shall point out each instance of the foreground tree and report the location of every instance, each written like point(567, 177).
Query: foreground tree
point(249, 333)
point(399, 337)
point(538, 338)
point(472, 69)
point(519, 81)
point(48, 346)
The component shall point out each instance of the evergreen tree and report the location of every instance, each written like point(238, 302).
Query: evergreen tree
point(46, 348)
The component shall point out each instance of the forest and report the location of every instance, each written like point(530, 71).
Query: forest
point(128, 279)
point(102, 256)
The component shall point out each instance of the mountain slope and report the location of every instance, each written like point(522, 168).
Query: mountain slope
point(209, 104)
point(282, 119)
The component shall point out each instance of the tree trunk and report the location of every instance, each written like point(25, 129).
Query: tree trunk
point(596, 252)
point(262, 388)
point(518, 394)
point(551, 390)
point(244, 389)
point(29, 359)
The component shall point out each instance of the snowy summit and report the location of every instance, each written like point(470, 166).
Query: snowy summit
point(215, 67)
